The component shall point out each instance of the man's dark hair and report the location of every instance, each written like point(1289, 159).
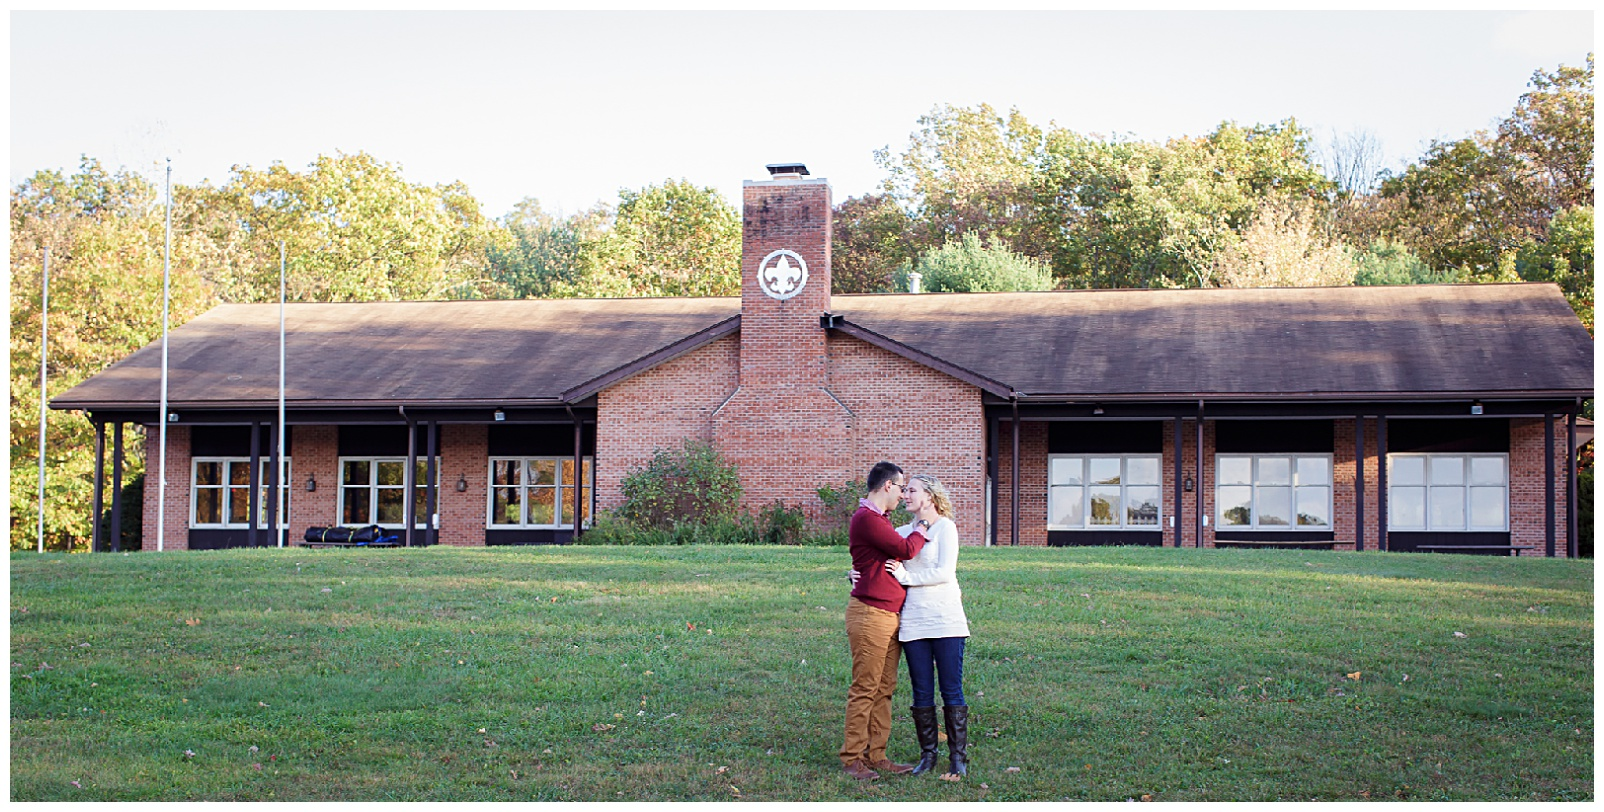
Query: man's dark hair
point(881, 473)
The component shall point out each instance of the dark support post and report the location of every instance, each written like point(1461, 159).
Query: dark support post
point(1013, 507)
point(409, 507)
point(431, 533)
point(1381, 482)
point(1198, 494)
point(1548, 483)
point(117, 488)
point(251, 480)
point(994, 467)
point(97, 542)
point(1359, 483)
point(272, 482)
point(1570, 483)
point(1175, 512)
point(579, 476)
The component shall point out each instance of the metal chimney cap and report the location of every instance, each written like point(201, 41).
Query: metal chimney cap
point(787, 169)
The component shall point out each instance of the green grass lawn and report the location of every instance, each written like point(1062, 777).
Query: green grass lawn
point(720, 673)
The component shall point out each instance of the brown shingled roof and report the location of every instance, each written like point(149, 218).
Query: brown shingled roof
point(1404, 341)
point(502, 352)
point(1349, 342)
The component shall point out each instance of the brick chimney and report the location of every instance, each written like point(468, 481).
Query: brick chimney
point(782, 427)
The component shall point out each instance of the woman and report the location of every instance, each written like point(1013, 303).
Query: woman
point(933, 628)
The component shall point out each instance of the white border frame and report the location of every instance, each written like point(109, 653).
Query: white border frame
point(1086, 494)
point(1294, 527)
point(1427, 486)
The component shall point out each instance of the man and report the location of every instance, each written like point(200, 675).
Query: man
point(872, 625)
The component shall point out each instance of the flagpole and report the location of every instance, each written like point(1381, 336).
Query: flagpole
point(284, 509)
point(44, 354)
point(161, 479)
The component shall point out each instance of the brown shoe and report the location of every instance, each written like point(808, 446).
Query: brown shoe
point(860, 771)
point(886, 765)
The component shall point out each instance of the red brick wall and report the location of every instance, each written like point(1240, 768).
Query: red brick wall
point(923, 420)
point(660, 408)
point(176, 527)
point(1528, 498)
point(1032, 483)
point(314, 452)
point(465, 454)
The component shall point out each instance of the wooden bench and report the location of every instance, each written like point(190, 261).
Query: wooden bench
point(1513, 549)
point(1290, 544)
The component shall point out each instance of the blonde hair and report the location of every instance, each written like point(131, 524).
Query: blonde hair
point(939, 497)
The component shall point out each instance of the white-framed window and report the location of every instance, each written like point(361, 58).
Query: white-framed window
point(1273, 491)
point(1104, 492)
point(220, 492)
point(372, 491)
point(538, 492)
point(1448, 492)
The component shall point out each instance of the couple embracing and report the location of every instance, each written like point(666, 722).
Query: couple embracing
point(905, 597)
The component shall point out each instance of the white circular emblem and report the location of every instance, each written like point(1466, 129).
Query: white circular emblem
point(779, 278)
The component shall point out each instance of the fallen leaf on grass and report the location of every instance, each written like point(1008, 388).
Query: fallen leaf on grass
point(1147, 797)
point(721, 770)
point(78, 785)
point(490, 743)
point(950, 777)
point(600, 728)
point(735, 789)
point(1355, 675)
point(690, 626)
point(258, 767)
point(194, 621)
point(514, 774)
point(189, 754)
point(1459, 634)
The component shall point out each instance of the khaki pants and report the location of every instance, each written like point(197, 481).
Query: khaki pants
point(872, 636)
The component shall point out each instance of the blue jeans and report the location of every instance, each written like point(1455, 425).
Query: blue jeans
point(928, 656)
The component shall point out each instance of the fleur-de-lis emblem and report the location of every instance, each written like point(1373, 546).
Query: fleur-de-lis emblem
point(779, 277)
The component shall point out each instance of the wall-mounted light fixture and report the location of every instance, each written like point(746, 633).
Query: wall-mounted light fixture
point(1186, 484)
point(462, 483)
point(1098, 409)
point(1475, 407)
point(172, 417)
point(500, 415)
point(311, 483)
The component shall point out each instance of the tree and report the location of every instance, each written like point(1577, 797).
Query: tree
point(968, 266)
point(870, 239)
point(1564, 256)
point(542, 254)
point(354, 229)
point(1283, 246)
point(1390, 263)
point(969, 170)
point(105, 234)
point(674, 239)
point(1551, 134)
point(1136, 214)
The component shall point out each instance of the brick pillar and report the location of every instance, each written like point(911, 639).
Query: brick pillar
point(178, 475)
point(464, 452)
point(1032, 484)
point(314, 454)
point(1528, 497)
point(782, 428)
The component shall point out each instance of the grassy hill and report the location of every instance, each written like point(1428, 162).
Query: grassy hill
point(720, 673)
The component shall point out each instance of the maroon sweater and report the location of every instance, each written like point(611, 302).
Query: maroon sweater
point(873, 541)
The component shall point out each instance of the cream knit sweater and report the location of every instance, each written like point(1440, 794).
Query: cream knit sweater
point(935, 606)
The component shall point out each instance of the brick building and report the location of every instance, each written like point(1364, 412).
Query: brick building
point(1056, 418)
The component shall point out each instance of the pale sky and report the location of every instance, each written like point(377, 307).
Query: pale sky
point(568, 107)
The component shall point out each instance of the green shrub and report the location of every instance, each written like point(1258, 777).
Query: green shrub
point(1584, 513)
point(840, 503)
point(691, 485)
